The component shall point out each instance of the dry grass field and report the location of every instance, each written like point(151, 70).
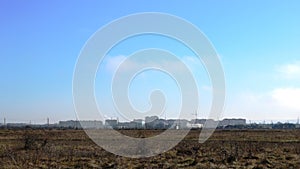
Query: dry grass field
point(225, 149)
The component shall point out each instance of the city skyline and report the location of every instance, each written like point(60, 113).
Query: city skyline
point(248, 121)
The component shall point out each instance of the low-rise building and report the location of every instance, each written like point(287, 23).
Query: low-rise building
point(91, 124)
point(111, 123)
point(194, 126)
point(232, 122)
point(69, 124)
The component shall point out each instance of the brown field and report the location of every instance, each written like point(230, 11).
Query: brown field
point(225, 149)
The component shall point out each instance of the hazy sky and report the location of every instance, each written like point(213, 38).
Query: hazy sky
point(257, 41)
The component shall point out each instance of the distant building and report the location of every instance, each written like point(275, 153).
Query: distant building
point(91, 124)
point(139, 123)
point(198, 121)
point(69, 124)
point(124, 125)
point(111, 123)
point(150, 122)
point(194, 125)
point(80, 124)
point(16, 125)
point(232, 122)
point(130, 125)
point(181, 124)
point(160, 124)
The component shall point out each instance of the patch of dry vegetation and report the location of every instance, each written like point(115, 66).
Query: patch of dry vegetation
point(225, 149)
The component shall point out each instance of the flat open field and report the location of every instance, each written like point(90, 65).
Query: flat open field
point(225, 149)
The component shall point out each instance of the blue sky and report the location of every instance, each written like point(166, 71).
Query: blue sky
point(257, 41)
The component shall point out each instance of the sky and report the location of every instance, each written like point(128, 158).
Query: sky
point(257, 42)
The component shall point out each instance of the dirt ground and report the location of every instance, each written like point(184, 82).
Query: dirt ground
point(28, 148)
